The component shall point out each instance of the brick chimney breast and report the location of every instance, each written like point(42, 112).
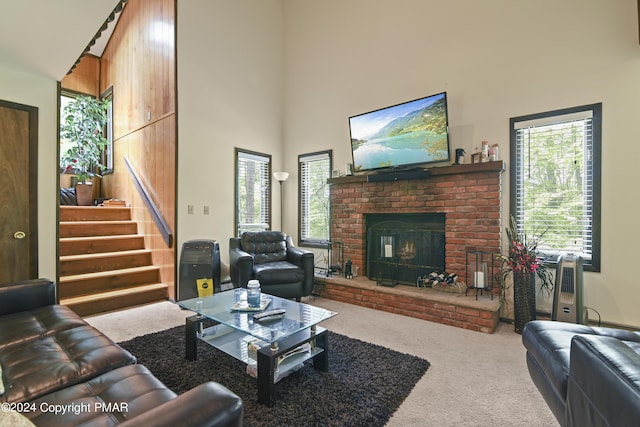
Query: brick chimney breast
point(470, 196)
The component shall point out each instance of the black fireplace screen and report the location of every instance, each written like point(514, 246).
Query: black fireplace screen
point(402, 247)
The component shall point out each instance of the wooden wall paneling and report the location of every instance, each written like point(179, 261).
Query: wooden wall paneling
point(162, 167)
point(139, 62)
point(136, 99)
point(85, 77)
point(150, 68)
point(139, 145)
point(166, 51)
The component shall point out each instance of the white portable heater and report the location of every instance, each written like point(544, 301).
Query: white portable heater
point(568, 294)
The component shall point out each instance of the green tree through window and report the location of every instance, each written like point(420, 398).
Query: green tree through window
point(555, 180)
point(253, 191)
point(314, 170)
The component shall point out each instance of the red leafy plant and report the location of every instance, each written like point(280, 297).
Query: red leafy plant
point(524, 256)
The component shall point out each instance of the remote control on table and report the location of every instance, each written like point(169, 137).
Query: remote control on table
point(269, 315)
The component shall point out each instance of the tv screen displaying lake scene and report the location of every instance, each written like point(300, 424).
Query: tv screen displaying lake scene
point(403, 135)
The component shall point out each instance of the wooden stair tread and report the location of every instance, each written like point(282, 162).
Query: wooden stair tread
point(85, 213)
point(97, 228)
point(79, 245)
point(95, 222)
point(94, 238)
point(104, 255)
point(80, 208)
point(101, 274)
point(113, 294)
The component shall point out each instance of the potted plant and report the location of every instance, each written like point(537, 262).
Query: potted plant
point(84, 120)
point(524, 262)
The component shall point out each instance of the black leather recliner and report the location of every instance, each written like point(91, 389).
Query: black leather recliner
point(283, 269)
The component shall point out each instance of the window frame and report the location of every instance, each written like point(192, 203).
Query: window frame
point(594, 264)
point(239, 152)
point(108, 131)
point(64, 93)
point(108, 152)
point(302, 240)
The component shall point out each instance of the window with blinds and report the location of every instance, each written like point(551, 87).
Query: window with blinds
point(313, 171)
point(555, 180)
point(253, 191)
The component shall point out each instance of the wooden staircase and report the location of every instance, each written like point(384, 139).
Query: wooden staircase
point(104, 265)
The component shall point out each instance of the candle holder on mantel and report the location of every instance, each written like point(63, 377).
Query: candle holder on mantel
point(479, 272)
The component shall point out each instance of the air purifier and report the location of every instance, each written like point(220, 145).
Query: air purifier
point(199, 266)
point(568, 292)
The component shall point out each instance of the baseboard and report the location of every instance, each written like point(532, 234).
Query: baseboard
point(543, 315)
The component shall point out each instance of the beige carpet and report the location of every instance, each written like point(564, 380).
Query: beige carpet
point(475, 379)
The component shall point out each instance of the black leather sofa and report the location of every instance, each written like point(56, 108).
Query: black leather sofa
point(51, 359)
point(589, 376)
point(283, 269)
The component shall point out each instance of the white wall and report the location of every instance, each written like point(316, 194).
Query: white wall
point(496, 59)
point(37, 91)
point(230, 85)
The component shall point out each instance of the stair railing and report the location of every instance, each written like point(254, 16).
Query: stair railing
point(162, 225)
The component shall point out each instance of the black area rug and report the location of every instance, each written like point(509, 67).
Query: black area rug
point(364, 386)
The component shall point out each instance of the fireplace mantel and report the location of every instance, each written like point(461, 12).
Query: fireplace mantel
point(497, 166)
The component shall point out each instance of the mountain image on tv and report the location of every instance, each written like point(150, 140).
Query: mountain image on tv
point(406, 134)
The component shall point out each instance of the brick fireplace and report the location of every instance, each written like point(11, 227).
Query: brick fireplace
point(468, 195)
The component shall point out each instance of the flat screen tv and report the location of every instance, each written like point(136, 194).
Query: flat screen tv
point(401, 136)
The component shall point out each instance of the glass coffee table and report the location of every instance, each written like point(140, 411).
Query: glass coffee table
point(276, 346)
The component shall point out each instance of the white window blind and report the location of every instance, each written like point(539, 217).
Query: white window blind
point(314, 170)
point(253, 192)
point(555, 189)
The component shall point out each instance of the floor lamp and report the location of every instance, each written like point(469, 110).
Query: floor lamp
point(281, 177)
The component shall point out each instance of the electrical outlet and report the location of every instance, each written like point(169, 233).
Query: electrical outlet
point(190, 209)
point(206, 210)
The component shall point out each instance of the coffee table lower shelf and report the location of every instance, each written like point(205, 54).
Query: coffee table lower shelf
point(270, 370)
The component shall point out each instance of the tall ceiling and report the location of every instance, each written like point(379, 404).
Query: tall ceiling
point(46, 37)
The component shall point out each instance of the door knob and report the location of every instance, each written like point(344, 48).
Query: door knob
point(19, 235)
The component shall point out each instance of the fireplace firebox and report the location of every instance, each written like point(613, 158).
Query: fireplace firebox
point(404, 246)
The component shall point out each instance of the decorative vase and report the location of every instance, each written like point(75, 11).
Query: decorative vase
point(84, 194)
point(524, 299)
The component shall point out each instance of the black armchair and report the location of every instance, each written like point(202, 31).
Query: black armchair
point(283, 269)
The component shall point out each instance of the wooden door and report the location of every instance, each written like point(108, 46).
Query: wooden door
point(18, 192)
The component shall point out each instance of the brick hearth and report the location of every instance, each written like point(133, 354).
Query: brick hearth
point(469, 196)
point(481, 315)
